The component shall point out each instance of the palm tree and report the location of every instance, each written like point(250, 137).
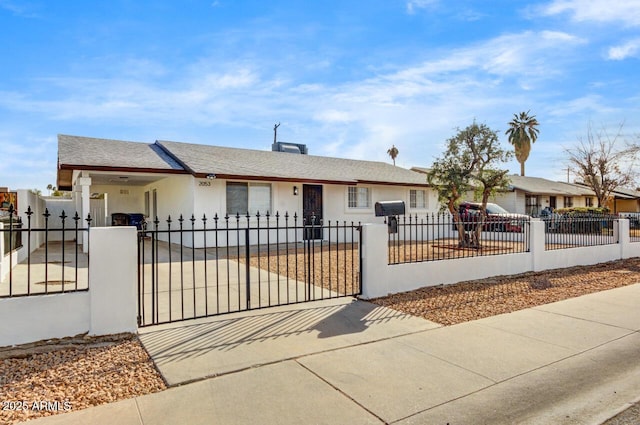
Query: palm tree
point(522, 133)
point(50, 188)
point(393, 153)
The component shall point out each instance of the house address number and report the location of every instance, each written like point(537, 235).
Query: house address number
point(204, 183)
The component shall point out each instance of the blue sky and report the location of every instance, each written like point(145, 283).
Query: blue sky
point(348, 78)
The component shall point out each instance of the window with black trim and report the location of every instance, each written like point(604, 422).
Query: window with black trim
point(359, 197)
point(568, 201)
point(417, 198)
point(248, 197)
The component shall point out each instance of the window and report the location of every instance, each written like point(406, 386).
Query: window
point(417, 198)
point(147, 204)
point(532, 205)
point(568, 201)
point(248, 197)
point(589, 202)
point(359, 197)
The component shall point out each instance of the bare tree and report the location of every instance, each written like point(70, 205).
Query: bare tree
point(603, 162)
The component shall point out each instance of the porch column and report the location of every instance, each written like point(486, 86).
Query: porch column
point(85, 196)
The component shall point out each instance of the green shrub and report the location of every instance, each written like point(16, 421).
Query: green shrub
point(583, 211)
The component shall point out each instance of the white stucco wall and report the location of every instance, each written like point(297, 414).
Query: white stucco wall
point(380, 279)
point(28, 199)
point(109, 306)
point(121, 199)
point(210, 198)
point(113, 283)
point(507, 200)
point(56, 207)
point(28, 319)
point(175, 196)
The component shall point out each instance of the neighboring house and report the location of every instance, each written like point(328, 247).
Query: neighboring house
point(530, 195)
point(169, 178)
point(624, 200)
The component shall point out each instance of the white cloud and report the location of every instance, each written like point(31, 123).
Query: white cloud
point(623, 51)
point(413, 5)
point(527, 54)
point(604, 11)
point(22, 10)
point(332, 116)
point(586, 105)
point(415, 106)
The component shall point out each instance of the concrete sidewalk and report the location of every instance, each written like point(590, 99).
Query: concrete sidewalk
point(342, 362)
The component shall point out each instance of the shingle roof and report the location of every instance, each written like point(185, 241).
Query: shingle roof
point(627, 193)
point(230, 162)
point(621, 192)
point(538, 185)
point(75, 151)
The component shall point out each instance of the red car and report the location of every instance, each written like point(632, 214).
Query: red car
point(498, 219)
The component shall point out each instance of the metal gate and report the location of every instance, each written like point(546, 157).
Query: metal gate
point(192, 268)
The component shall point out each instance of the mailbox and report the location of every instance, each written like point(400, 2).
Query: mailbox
point(390, 209)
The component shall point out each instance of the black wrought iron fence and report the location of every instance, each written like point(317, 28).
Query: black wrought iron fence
point(634, 225)
point(574, 230)
point(12, 240)
point(198, 267)
point(47, 259)
point(439, 236)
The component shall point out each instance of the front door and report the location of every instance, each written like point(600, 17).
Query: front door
point(312, 210)
point(552, 202)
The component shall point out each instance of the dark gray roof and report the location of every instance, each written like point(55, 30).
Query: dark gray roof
point(75, 151)
point(230, 162)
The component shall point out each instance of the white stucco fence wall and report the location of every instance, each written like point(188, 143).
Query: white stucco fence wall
point(381, 279)
point(108, 307)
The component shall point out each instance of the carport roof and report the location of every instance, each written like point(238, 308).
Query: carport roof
point(89, 151)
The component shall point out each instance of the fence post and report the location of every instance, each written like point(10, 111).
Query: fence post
point(2, 273)
point(247, 265)
point(113, 280)
point(375, 261)
point(622, 233)
point(537, 243)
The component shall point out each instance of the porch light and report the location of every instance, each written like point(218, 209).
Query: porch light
point(295, 190)
point(211, 176)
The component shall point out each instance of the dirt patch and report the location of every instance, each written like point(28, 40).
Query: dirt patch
point(334, 267)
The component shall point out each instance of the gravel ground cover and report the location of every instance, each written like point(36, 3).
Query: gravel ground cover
point(630, 416)
point(56, 376)
point(472, 300)
point(334, 267)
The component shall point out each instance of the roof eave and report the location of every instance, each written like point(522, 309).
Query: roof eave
point(65, 172)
